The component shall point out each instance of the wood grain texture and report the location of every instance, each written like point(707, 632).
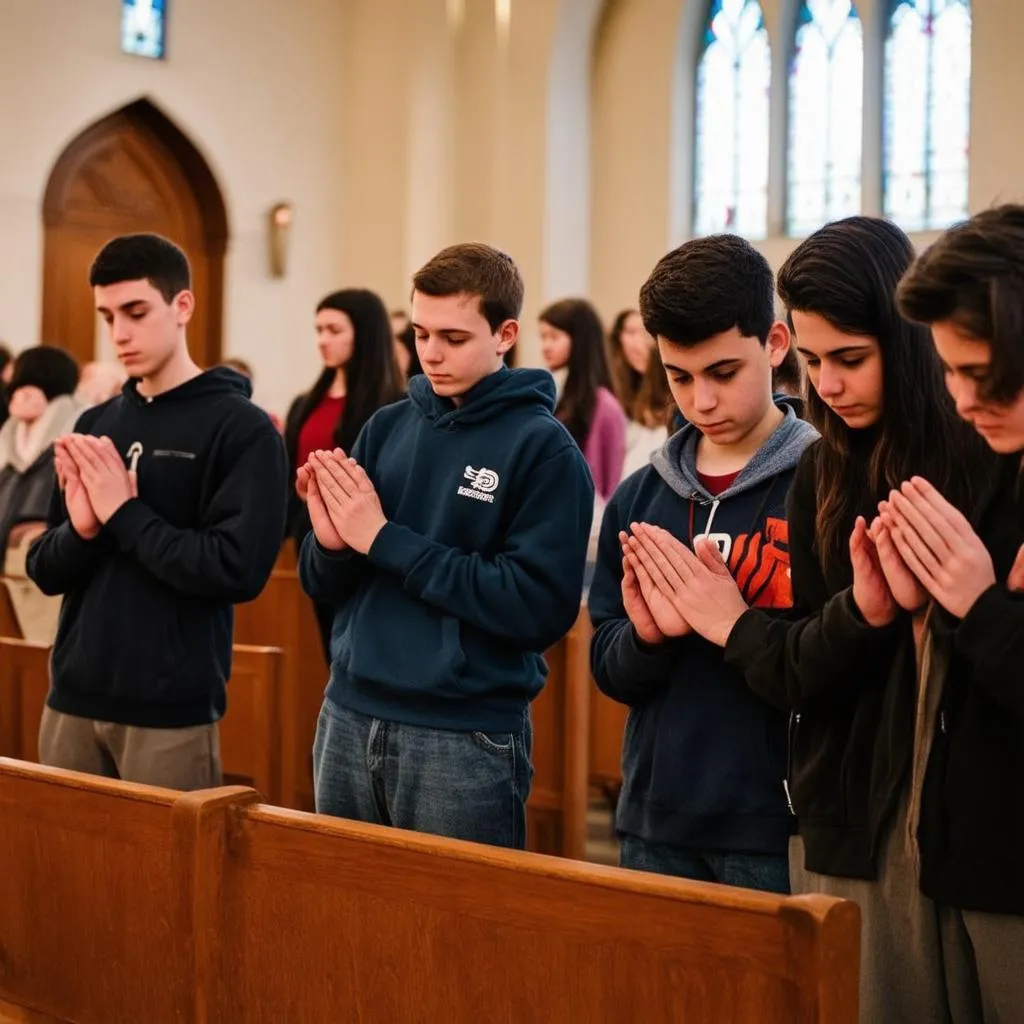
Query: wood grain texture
point(419, 928)
point(124, 903)
point(249, 732)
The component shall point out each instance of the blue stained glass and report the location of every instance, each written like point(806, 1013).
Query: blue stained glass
point(826, 106)
point(927, 112)
point(733, 83)
point(143, 28)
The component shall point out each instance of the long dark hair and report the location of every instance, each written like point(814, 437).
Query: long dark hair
point(625, 380)
point(587, 367)
point(847, 273)
point(371, 374)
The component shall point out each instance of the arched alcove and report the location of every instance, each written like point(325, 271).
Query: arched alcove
point(133, 170)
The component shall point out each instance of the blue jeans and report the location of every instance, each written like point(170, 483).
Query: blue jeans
point(464, 785)
point(764, 871)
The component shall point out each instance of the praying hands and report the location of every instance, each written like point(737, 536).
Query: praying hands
point(94, 480)
point(938, 545)
point(683, 590)
point(343, 504)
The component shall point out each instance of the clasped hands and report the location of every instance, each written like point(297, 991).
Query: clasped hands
point(669, 590)
point(343, 504)
point(918, 547)
point(94, 480)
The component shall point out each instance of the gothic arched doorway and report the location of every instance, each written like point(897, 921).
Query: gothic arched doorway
point(131, 171)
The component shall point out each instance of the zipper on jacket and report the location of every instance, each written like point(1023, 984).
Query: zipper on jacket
point(942, 722)
point(794, 724)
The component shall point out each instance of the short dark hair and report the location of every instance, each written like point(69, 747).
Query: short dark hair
point(142, 258)
point(472, 268)
point(973, 277)
point(706, 287)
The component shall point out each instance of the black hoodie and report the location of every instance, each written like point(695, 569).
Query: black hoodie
point(971, 833)
point(146, 627)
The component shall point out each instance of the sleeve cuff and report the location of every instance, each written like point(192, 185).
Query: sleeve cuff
point(974, 635)
point(397, 549)
point(746, 636)
point(330, 558)
point(73, 539)
point(128, 522)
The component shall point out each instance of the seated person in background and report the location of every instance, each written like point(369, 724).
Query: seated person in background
point(99, 382)
point(242, 367)
point(42, 408)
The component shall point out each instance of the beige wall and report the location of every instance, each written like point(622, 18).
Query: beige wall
point(396, 127)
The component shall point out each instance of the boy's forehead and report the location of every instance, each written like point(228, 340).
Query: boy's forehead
point(729, 345)
point(121, 293)
point(441, 312)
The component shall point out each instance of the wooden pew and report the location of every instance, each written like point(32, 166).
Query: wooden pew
point(97, 886)
point(282, 616)
point(556, 813)
point(124, 904)
point(250, 748)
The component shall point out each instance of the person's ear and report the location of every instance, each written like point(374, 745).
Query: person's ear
point(777, 344)
point(184, 305)
point(508, 335)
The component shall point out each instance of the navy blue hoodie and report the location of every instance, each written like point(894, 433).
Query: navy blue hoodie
point(146, 624)
point(480, 568)
point(704, 759)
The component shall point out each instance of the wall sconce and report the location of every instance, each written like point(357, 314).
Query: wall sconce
point(281, 215)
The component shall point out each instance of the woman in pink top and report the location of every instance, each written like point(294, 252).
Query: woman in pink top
point(572, 343)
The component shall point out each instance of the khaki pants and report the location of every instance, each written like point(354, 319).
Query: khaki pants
point(902, 980)
point(182, 759)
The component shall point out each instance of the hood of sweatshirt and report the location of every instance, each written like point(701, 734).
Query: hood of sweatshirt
point(676, 461)
point(494, 396)
point(221, 380)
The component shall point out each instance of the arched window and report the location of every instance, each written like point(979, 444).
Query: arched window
point(927, 112)
point(733, 79)
point(826, 106)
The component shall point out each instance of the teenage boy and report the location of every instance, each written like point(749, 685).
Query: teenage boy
point(452, 544)
point(704, 759)
point(169, 510)
point(968, 288)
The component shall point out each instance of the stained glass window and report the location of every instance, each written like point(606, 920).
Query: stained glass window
point(927, 112)
point(826, 105)
point(733, 81)
point(142, 27)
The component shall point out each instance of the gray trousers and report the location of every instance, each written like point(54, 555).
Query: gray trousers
point(183, 759)
point(922, 963)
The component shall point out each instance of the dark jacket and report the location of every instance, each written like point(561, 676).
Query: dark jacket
point(146, 625)
point(971, 832)
point(704, 759)
point(479, 570)
point(851, 689)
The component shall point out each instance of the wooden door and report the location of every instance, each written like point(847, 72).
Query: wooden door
point(133, 171)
